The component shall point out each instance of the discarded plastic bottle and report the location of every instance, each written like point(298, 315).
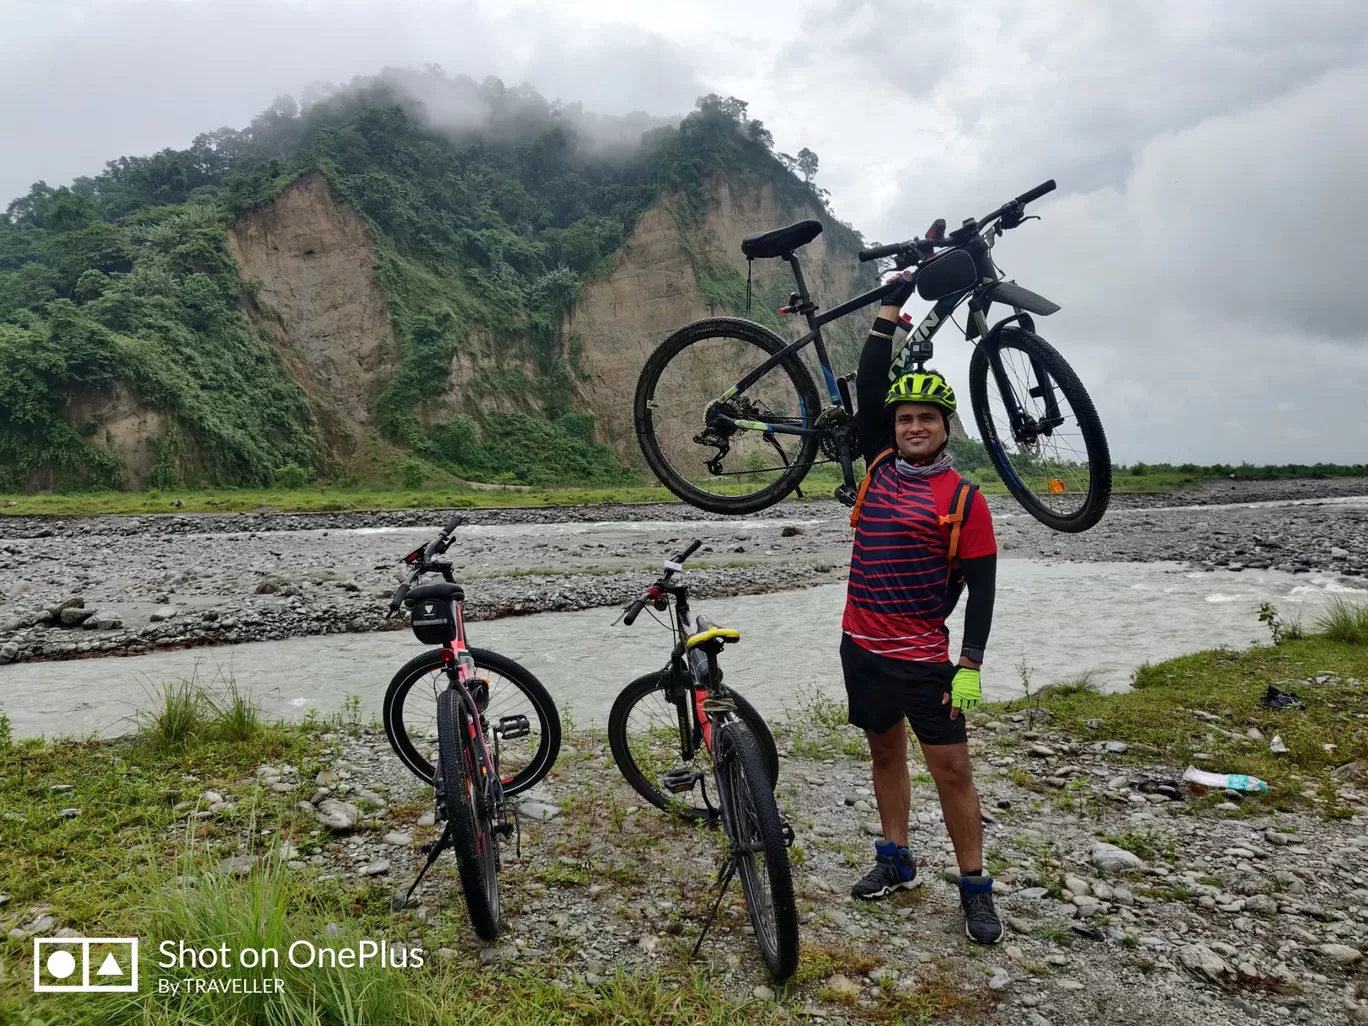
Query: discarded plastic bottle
point(1234, 781)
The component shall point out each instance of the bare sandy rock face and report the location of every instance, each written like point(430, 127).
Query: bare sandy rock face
point(314, 264)
point(122, 425)
point(652, 290)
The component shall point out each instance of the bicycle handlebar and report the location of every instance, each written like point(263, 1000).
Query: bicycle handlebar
point(879, 252)
point(672, 565)
point(917, 246)
point(421, 560)
point(443, 541)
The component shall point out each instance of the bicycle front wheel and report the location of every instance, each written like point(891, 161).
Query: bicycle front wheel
point(644, 735)
point(512, 695)
point(1055, 460)
point(759, 847)
point(719, 469)
point(460, 799)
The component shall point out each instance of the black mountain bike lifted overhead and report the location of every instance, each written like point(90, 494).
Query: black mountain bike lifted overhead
point(737, 445)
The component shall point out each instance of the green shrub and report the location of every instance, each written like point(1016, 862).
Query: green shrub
point(1345, 621)
point(292, 476)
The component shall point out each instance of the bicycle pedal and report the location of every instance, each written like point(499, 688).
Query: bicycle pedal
point(719, 705)
point(680, 779)
point(845, 495)
point(426, 847)
point(511, 727)
point(786, 828)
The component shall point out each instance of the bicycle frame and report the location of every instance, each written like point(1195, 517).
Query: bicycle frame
point(924, 332)
point(460, 672)
point(692, 666)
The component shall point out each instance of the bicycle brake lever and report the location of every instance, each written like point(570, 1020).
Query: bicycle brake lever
point(621, 613)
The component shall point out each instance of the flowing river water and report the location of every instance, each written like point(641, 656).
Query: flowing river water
point(1059, 620)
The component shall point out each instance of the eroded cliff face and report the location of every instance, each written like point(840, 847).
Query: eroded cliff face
point(310, 263)
point(317, 295)
point(122, 425)
point(652, 290)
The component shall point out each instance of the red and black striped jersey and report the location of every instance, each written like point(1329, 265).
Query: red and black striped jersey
point(897, 597)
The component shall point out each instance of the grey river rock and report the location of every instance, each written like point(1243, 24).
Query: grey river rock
point(1058, 619)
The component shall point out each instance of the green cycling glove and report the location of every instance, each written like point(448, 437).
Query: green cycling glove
point(966, 691)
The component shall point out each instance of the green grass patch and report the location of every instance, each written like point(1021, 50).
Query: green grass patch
point(319, 500)
point(1165, 713)
point(132, 864)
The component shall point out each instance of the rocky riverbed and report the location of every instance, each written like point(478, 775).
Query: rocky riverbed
point(125, 585)
point(1127, 900)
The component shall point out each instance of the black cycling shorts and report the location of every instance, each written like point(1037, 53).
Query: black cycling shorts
point(881, 691)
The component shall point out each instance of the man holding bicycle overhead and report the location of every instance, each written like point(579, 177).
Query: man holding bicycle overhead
point(922, 535)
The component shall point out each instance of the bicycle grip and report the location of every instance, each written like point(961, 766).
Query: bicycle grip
point(694, 546)
point(633, 611)
point(398, 598)
point(1037, 192)
point(878, 252)
point(442, 542)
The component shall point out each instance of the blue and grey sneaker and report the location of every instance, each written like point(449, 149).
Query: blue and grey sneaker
point(894, 870)
point(981, 922)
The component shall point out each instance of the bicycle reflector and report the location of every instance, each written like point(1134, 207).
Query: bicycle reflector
point(1056, 486)
point(415, 555)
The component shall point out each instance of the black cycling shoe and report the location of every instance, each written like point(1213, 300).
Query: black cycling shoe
point(894, 870)
point(981, 922)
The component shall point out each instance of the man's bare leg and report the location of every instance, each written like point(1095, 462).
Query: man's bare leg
point(954, 777)
point(892, 784)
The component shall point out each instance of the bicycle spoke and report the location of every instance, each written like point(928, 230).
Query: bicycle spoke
point(746, 461)
point(505, 699)
point(1054, 467)
point(653, 741)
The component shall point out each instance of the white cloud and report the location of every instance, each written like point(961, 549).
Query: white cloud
point(1203, 242)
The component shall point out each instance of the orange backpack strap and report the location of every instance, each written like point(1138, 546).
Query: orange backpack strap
point(883, 457)
point(960, 504)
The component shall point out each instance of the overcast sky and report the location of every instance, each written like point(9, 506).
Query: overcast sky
point(1205, 242)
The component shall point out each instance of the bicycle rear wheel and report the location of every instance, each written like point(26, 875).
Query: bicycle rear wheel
point(461, 799)
point(759, 848)
point(410, 715)
point(643, 733)
point(721, 470)
point(1058, 465)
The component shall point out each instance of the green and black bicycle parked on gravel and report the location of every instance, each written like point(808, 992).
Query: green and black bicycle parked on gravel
point(735, 445)
point(475, 725)
point(672, 731)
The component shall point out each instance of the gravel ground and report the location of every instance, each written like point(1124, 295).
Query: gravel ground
point(1220, 916)
point(132, 584)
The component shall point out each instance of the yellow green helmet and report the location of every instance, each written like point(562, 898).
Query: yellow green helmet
point(922, 388)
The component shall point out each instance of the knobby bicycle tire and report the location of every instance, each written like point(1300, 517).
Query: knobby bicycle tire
point(471, 836)
point(1089, 424)
point(401, 691)
point(642, 780)
point(775, 920)
point(739, 330)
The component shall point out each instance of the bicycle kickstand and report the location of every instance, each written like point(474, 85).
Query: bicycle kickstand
point(725, 878)
point(433, 849)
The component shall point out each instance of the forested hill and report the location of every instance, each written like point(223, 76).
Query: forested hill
point(417, 268)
